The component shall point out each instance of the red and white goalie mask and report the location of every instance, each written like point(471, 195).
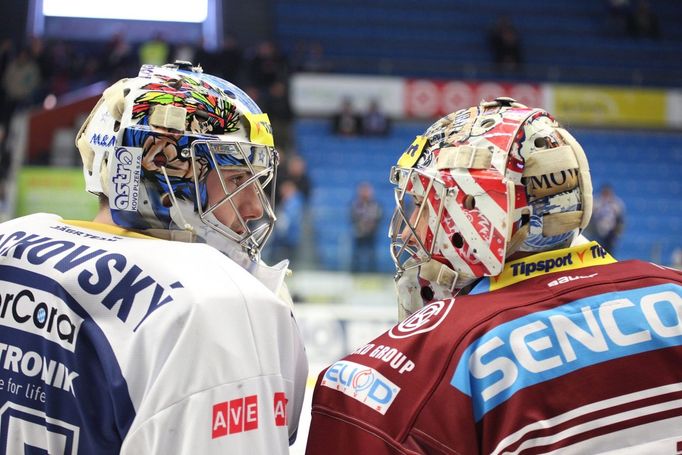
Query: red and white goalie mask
point(482, 184)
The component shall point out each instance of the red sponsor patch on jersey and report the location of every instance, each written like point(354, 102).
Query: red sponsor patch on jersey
point(235, 416)
point(280, 408)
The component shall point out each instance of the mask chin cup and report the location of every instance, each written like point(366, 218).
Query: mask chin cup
point(442, 282)
point(271, 276)
point(440, 274)
point(184, 216)
point(408, 293)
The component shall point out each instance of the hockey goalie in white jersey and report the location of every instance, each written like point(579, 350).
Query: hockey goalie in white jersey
point(154, 329)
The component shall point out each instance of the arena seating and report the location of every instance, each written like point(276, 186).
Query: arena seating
point(643, 168)
point(562, 40)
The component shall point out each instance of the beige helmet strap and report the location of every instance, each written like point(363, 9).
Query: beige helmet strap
point(566, 168)
point(514, 240)
point(114, 97)
point(464, 156)
point(560, 223)
point(583, 176)
point(549, 161)
point(517, 239)
point(168, 116)
point(439, 274)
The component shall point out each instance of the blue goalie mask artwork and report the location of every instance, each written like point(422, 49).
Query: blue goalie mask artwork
point(178, 150)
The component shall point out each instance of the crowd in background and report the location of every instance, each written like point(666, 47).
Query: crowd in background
point(40, 70)
point(34, 73)
point(624, 18)
point(635, 19)
point(37, 71)
point(347, 121)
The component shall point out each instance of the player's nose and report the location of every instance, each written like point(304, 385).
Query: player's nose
point(407, 235)
point(250, 206)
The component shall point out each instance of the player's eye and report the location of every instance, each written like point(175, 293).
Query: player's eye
point(237, 180)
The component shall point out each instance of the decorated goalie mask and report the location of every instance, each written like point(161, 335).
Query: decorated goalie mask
point(480, 185)
point(154, 144)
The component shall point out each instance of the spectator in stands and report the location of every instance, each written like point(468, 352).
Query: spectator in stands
point(254, 93)
point(293, 168)
point(608, 218)
point(267, 66)
point(365, 214)
point(644, 22)
point(63, 68)
point(207, 59)
point(155, 51)
point(229, 61)
point(287, 234)
point(309, 58)
point(119, 58)
point(505, 44)
point(276, 104)
point(346, 122)
point(21, 81)
point(40, 53)
point(5, 54)
point(375, 122)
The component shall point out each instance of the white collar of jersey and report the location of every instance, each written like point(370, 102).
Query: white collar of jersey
point(582, 253)
point(271, 276)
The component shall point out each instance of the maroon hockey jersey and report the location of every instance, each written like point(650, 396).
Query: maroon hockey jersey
point(565, 351)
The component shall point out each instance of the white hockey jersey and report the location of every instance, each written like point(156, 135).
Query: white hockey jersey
point(113, 342)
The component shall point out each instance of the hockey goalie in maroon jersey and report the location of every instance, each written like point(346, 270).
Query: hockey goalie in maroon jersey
point(517, 334)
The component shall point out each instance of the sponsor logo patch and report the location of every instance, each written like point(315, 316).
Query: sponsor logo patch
point(125, 169)
point(280, 408)
point(539, 264)
point(424, 320)
point(568, 279)
point(361, 383)
point(544, 345)
point(390, 355)
point(235, 416)
point(40, 313)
